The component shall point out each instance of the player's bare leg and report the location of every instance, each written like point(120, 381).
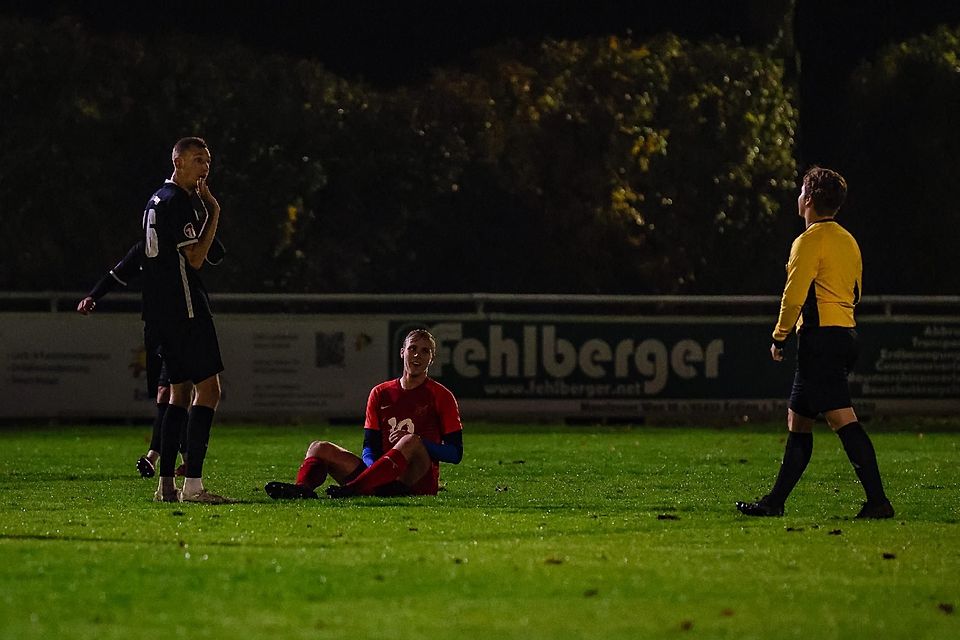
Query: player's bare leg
point(406, 462)
point(321, 459)
point(418, 460)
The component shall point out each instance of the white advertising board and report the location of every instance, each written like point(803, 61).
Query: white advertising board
point(276, 366)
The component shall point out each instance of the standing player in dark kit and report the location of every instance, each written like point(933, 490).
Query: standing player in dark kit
point(177, 241)
point(158, 385)
point(824, 275)
point(412, 425)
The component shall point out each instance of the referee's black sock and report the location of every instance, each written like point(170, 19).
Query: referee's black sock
point(198, 436)
point(862, 456)
point(173, 421)
point(796, 455)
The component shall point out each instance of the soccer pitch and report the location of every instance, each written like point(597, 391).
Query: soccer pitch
point(542, 532)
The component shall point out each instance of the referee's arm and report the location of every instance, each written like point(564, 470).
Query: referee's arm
point(801, 272)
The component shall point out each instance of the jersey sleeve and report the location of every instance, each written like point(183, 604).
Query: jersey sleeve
point(801, 272)
point(449, 411)
point(126, 270)
point(372, 420)
point(129, 268)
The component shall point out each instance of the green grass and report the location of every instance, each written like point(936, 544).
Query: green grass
point(542, 532)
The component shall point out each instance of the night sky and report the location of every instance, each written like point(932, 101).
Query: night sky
point(395, 42)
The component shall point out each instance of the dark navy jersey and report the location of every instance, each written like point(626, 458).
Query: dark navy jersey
point(172, 289)
point(125, 271)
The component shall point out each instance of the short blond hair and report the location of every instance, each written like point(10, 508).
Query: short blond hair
point(417, 334)
point(188, 143)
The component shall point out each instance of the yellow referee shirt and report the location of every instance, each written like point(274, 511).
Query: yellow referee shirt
point(823, 280)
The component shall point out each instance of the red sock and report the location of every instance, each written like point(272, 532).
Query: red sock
point(388, 468)
point(312, 472)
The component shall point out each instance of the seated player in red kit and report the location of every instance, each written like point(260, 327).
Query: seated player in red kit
point(412, 425)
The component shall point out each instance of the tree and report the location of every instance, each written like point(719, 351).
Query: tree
point(902, 161)
point(597, 165)
point(627, 167)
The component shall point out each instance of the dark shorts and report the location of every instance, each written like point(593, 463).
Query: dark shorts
point(825, 357)
point(157, 375)
point(190, 350)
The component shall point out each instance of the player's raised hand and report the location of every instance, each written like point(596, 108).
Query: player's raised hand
point(86, 305)
point(203, 190)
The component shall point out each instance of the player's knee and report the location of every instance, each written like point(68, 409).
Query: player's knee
point(319, 449)
point(411, 447)
point(798, 423)
point(208, 392)
point(180, 394)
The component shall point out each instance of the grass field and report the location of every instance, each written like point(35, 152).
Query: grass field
point(542, 532)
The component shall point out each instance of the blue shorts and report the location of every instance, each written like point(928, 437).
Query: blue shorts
point(825, 357)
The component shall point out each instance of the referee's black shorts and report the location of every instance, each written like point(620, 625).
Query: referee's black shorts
point(190, 349)
point(825, 357)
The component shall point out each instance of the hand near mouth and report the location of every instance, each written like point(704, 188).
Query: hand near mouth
point(204, 192)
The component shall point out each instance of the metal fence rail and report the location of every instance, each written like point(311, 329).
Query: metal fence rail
point(484, 304)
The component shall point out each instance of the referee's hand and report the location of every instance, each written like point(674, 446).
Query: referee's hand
point(776, 352)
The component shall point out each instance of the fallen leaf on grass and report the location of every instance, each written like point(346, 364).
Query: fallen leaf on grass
point(889, 556)
point(946, 607)
point(667, 516)
point(834, 532)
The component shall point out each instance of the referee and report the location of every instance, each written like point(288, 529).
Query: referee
point(824, 275)
point(178, 237)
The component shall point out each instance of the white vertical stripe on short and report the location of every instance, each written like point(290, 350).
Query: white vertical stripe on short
point(186, 285)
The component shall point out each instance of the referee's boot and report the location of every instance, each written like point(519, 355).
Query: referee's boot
point(878, 511)
point(762, 507)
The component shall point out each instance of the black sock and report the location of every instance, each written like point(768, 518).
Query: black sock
point(862, 456)
point(173, 421)
point(155, 437)
point(183, 439)
point(796, 455)
point(198, 436)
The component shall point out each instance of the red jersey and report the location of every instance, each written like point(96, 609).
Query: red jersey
point(429, 410)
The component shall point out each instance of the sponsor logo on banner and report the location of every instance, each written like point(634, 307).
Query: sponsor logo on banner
point(515, 359)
